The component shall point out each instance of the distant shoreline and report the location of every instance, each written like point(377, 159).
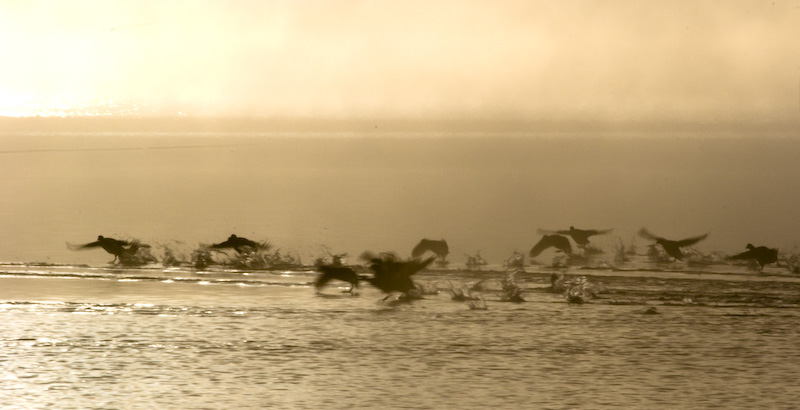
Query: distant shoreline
point(380, 126)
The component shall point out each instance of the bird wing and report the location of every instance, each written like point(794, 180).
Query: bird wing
point(750, 254)
point(544, 243)
point(592, 232)
point(690, 241)
point(424, 264)
point(644, 233)
point(541, 231)
point(82, 247)
point(562, 243)
point(418, 250)
point(226, 244)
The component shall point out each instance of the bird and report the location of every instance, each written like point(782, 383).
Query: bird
point(556, 241)
point(393, 275)
point(672, 248)
point(113, 246)
point(331, 272)
point(439, 248)
point(761, 254)
point(238, 244)
point(580, 236)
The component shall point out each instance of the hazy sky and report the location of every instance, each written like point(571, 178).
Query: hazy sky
point(346, 58)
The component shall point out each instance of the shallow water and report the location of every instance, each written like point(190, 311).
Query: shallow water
point(77, 337)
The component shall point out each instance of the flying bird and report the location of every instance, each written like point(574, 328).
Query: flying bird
point(761, 254)
point(672, 248)
point(116, 247)
point(439, 248)
point(555, 241)
point(331, 272)
point(393, 275)
point(580, 236)
point(239, 244)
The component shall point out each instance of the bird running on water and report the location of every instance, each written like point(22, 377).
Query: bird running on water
point(119, 248)
point(761, 254)
point(555, 241)
point(580, 236)
point(393, 275)
point(672, 248)
point(239, 244)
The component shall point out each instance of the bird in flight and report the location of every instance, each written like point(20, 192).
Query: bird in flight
point(331, 272)
point(393, 275)
point(116, 247)
point(555, 241)
point(439, 248)
point(580, 236)
point(672, 248)
point(239, 244)
point(761, 254)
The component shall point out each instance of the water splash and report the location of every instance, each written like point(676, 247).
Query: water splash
point(511, 292)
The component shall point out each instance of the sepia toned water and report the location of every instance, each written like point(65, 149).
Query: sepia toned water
point(343, 192)
point(79, 337)
point(79, 333)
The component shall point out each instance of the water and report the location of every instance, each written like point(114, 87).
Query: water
point(484, 192)
point(78, 333)
point(77, 337)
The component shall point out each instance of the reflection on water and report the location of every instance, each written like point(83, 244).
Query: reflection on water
point(86, 338)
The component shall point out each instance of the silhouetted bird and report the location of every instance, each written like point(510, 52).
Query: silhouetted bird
point(439, 248)
point(238, 244)
point(342, 273)
point(556, 241)
point(393, 275)
point(113, 246)
point(580, 236)
point(761, 254)
point(672, 248)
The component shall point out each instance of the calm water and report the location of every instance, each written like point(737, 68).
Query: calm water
point(350, 193)
point(102, 338)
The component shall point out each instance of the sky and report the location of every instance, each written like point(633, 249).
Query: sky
point(626, 60)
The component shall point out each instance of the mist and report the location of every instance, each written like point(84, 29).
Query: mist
point(625, 60)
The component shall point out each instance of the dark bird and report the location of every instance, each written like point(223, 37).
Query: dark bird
point(761, 254)
point(556, 241)
point(331, 272)
point(238, 244)
point(672, 248)
point(580, 236)
point(116, 247)
point(439, 248)
point(393, 275)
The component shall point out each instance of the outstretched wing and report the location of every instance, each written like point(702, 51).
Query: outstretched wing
point(421, 248)
point(592, 232)
point(541, 231)
point(644, 233)
point(74, 247)
point(438, 247)
point(548, 241)
point(417, 266)
point(690, 241)
point(749, 254)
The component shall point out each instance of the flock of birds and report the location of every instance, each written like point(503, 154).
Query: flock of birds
point(391, 274)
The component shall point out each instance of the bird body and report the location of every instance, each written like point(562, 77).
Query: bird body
point(672, 248)
point(331, 272)
point(238, 244)
point(761, 254)
point(556, 241)
point(393, 275)
point(116, 247)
